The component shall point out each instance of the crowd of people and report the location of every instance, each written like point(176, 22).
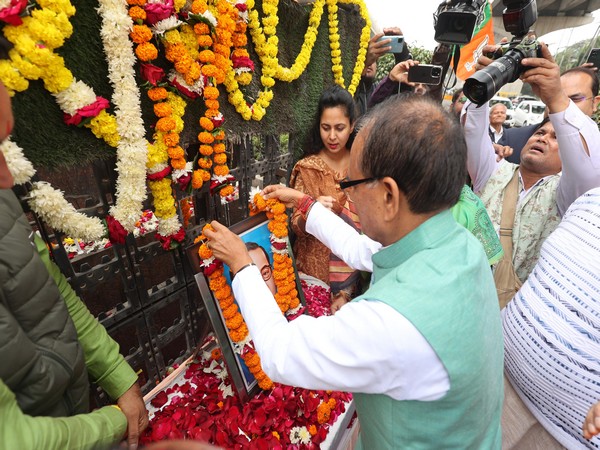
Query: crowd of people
point(477, 327)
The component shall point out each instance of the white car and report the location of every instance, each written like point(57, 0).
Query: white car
point(510, 119)
point(529, 112)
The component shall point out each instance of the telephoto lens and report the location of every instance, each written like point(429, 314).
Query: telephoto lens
point(483, 84)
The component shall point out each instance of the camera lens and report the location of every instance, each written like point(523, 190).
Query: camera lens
point(483, 84)
point(436, 72)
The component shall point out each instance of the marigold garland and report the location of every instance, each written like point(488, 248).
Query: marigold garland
point(238, 330)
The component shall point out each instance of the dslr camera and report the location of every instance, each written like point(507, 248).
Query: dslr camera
point(518, 17)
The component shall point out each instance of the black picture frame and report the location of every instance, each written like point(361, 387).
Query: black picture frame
point(252, 229)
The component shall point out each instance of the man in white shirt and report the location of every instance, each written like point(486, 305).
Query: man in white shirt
point(422, 348)
point(497, 118)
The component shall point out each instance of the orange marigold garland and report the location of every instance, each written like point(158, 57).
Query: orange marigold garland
point(216, 38)
point(283, 268)
point(238, 330)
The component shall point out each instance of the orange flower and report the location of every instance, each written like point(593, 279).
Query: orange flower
point(206, 138)
point(204, 40)
point(312, 430)
point(204, 252)
point(205, 163)
point(217, 283)
point(178, 163)
point(225, 291)
point(157, 93)
point(219, 148)
point(323, 413)
point(206, 150)
point(146, 52)
point(162, 109)
point(193, 73)
point(209, 70)
point(280, 218)
point(205, 175)
point(220, 158)
point(239, 40)
point(227, 301)
point(171, 140)
point(221, 171)
point(137, 13)
point(140, 34)
point(227, 190)
point(278, 229)
point(230, 311)
point(206, 56)
point(211, 93)
point(211, 113)
point(216, 354)
point(222, 50)
point(199, 7)
point(201, 28)
point(206, 123)
point(220, 135)
point(136, 2)
point(197, 181)
point(165, 124)
point(252, 360)
point(240, 53)
point(277, 208)
point(212, 104)
point(235, 322)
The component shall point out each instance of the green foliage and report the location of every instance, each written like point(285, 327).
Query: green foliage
point(49, 143)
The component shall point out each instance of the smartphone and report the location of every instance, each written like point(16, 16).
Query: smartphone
point(425, 73)
point(397, 43)
point(594, 57)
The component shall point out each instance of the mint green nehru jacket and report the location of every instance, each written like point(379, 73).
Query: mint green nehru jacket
point(438, 278)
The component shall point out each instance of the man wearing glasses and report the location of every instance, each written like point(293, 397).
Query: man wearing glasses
point(260, 257)
point(559, 163)
point(421, 348)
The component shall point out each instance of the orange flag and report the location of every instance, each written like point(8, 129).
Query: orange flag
point(482, 36)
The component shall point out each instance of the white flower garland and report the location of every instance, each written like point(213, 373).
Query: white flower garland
point(49, 203)
point(132, 149)
point(51, 206)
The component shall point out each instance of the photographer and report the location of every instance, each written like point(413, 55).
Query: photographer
point(539, 193)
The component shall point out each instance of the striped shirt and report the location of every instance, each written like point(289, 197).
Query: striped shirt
point(552, 327)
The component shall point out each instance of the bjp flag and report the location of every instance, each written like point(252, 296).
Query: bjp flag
point(482, 36)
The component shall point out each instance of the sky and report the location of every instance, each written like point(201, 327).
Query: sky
point(417, 23)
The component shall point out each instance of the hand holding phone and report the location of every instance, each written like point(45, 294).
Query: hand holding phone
point(425, 74)
point(594, 58)
point(396, 43)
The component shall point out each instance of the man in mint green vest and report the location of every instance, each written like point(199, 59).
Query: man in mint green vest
point(422, 347)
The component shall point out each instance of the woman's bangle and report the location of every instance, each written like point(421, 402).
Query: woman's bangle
point(242, 268)
point(305, 204)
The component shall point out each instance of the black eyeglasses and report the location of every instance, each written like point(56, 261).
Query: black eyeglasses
point(346, 183)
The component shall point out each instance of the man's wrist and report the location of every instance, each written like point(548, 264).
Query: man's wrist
point(237, 268)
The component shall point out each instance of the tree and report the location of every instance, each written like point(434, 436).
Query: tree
point(387, 62)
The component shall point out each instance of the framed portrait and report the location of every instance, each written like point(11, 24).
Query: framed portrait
point(255, 233)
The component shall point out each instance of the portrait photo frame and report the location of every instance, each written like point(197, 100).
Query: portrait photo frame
point(253, 229)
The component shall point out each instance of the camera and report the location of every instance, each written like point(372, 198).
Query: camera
point(425, 74)
point(518, 17)
point(454, 21)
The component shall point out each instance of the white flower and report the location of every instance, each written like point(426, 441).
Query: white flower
point(299, 435)
point(75, 97)
point(226, 389)
point(209, 16)
point(197, 87)
point(19, 166)
point(165, 25)
point(178, 173)
point(51, 206)
point(253, 191)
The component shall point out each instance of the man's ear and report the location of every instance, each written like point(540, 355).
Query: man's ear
point(391, 198)
point(596, 102)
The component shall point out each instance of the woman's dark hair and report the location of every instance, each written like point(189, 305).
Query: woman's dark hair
point(330, 98)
